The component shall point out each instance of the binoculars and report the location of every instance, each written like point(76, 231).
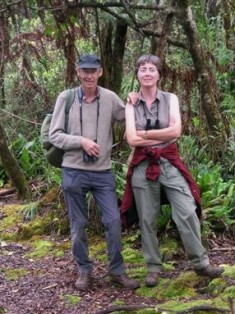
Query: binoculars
point(88, 158)
point(149, 126)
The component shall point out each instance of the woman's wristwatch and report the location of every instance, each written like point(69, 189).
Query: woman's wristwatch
point(145, 136)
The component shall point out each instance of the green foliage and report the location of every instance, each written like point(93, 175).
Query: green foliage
point(28, 155)
point(52, 175)
point(32, 160)
point(84, 46)
point(228, 107)
point(129, 84)
point(48, 73)
point(120, 170)
point(164, 219)
point(29, 211)
point(218, 195)
point(3, 176)
point(94, 214)
point(228, 160)
point(191, 153)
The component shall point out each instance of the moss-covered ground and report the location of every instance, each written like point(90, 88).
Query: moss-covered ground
point(179, 289)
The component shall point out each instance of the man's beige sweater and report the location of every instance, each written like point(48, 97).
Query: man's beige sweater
point(111, 109)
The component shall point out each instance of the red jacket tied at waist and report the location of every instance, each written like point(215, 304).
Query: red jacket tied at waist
point(153, 170)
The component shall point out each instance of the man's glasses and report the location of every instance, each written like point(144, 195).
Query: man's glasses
point(88, 71)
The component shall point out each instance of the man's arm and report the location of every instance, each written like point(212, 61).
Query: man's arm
point(57, 135)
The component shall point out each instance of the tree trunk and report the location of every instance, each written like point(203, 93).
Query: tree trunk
point(105, 40)
point(112, 51)
point(12, 168)
point(117, 58)
point(228, 23)
point(8, 161)
point(162, 43)
point(206, 81)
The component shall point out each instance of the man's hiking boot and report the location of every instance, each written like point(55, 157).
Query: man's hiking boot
point(151, 279)
point(83, 281)
point(124, 281)
point(210, 271)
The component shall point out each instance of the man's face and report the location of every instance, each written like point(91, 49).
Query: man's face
point(148, 75)
point(89, 77)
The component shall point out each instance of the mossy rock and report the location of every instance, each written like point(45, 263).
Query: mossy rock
point(17, 223)
point(10, 221)
point(27, 231)
point(51, 196)
point(43, 226)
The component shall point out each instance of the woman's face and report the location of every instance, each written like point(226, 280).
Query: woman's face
point(148, 75)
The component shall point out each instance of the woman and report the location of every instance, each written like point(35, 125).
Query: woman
point(153, 126)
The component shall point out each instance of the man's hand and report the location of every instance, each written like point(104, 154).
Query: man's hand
point(91, 147)
point(133, 98)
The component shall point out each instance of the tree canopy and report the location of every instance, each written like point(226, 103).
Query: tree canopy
point(41, 41)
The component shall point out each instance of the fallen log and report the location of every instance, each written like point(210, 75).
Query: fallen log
point(7, 191)
point(223, 249)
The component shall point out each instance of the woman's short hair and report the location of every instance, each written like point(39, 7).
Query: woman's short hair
point(149, 59)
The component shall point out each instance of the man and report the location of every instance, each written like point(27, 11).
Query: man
point(87, 167)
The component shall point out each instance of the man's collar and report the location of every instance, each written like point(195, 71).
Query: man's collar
point(97, 96)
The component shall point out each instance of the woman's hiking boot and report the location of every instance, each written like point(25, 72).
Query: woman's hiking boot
point(210, 271)
point(151, 279)
point(125, 281)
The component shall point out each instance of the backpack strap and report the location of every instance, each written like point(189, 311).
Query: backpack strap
point(68, 105)
point(80, 96)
